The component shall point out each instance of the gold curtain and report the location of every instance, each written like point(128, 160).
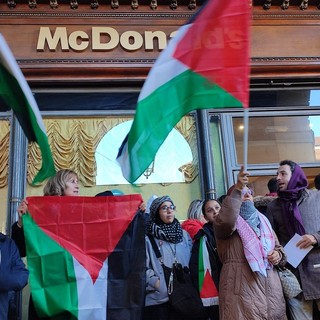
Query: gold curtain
point(74, 141)
point(4, 152)
point(187, 127)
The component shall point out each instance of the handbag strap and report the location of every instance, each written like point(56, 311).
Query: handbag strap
point(155, 247)
point(169, 278)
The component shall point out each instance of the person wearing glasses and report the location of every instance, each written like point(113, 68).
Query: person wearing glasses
point(174, 244)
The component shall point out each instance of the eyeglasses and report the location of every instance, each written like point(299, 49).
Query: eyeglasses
point(165, 208)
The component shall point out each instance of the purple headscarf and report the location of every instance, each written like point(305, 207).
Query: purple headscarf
point(289, 197)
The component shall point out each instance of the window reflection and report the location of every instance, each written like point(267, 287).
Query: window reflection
point(272, 139)
point(173, 154)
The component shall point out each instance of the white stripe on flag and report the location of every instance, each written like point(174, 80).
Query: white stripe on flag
point(92, 298)
point(165, 67)
point(9, 62)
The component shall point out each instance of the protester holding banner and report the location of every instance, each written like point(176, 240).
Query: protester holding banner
point(174, 244)
point(64, 183)
point(249, 285)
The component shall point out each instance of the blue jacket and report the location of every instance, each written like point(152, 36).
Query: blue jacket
point(13, 273)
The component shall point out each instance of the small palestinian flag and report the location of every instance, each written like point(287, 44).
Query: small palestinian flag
point(207, 288)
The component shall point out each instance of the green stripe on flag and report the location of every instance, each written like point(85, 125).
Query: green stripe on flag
point(16, 93)
point(201, 265)
point(52, 292)
point(154, 120)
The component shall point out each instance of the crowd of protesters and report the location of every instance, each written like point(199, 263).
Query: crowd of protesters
point(234, 244)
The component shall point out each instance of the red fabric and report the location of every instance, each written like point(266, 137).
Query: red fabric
point(90, 219)
point(209, 289)
point(192, 226)
point(272, 194)
point(217, 46)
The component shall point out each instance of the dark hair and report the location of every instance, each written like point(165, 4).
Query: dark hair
point(272, 185)
point(221, 198)
point(290, 163)
point(104, 194)
point(204, 205)
point(317, 181)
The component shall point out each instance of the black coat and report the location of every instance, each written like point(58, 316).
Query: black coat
point(213, 255)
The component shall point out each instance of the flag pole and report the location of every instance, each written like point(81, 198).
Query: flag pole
point(245, 137)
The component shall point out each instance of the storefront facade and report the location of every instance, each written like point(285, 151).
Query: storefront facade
point(86, 63)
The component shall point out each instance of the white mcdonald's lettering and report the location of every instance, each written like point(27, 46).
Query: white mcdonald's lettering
point(102, 39)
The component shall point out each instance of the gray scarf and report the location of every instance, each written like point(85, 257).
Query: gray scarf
point(250, 214)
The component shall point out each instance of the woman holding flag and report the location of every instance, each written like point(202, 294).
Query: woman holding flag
point(249, 285)
point(64, 183)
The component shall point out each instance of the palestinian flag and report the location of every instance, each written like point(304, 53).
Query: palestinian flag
point(86, 257)
point(206, 65)
point(207, 288)
point(16, 93)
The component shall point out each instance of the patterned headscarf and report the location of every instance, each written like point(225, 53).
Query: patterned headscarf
point(169, 232)
point(289, 197)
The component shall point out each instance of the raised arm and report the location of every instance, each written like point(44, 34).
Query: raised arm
point(225, 223)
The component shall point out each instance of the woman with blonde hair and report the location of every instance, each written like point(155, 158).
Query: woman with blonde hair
point(63, 183)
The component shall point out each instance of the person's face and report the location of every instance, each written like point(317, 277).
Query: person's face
point(72, 186)
point(167, 212)
point(283, 177)
point(246, 194)
point(212, 210)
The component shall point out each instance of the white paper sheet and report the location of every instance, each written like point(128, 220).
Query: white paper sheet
point(294, 254)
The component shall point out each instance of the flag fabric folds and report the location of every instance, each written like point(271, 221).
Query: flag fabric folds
point(86, 256)
point(206, 65)
point(207, 288)
point(16, 93)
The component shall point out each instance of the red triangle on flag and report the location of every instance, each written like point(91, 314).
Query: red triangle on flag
point(208, 289)
point(217, 46)
point(88, 227)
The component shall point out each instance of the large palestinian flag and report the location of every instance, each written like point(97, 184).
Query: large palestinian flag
point(206, 65)
point(86, 257)
point(16, 93)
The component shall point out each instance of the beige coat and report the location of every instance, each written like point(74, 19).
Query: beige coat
point(244, 294)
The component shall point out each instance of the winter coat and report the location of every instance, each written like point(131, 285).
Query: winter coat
point(192, 226)
point(155, 270)
point(244, 294)
point(309, 206)
point(13, 273)
point(17, 235)
point(261, 202)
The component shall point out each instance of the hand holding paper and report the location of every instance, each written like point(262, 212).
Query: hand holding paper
point(294, 253)
point(306, 241)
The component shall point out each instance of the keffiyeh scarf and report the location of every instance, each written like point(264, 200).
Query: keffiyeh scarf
point(256, 249)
